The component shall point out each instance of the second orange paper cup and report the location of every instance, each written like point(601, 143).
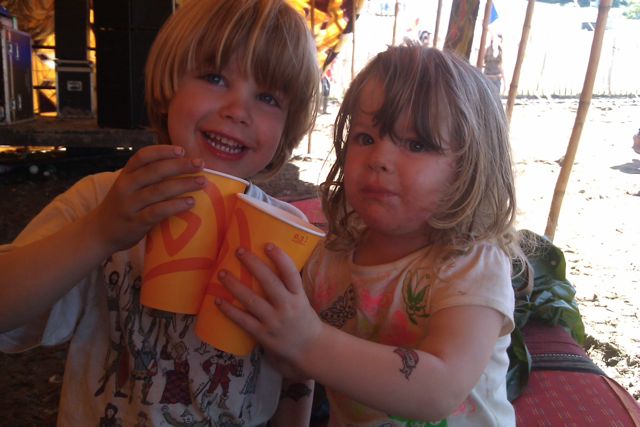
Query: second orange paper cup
point(253, 224)
point(181, 251)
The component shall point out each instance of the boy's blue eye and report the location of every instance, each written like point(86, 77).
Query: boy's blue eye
point(215, 79)
point(417, 146)
point(269, 99)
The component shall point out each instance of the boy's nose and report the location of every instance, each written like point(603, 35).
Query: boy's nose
point(236, 108)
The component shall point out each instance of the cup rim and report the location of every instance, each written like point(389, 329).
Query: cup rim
point(226, 175)
point(282, 215)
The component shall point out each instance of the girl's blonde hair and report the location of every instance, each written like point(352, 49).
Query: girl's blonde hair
point(274, 46)
point(446, 98)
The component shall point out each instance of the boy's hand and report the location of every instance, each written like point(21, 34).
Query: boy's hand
point(146, 192)
point(284, 322)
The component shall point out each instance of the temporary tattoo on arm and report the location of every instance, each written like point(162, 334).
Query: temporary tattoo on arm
point(409, 360)
point(295, 391)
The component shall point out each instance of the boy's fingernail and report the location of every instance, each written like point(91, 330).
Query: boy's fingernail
point(241, 251)
point(222, 274)
point(178, 150)
point(197, 163)
point(189, 201)
point(268, 247)
point(201, 180)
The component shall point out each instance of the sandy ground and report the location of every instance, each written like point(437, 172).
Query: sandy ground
point(598, 231)
point(599, 223)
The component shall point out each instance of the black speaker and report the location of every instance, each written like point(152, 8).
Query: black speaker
point(120, 60)
point(125, 30)
point(131, 14)
point(71, 20)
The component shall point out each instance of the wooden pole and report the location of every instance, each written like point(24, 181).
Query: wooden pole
point(583, 108)
point(462, 23)
point(483, 37)
point(313, 34)
point(435, 33)
point(354, 9)
point(513, 87)
point(395, 23)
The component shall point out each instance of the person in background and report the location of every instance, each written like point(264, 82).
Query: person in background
point(231, 85)
point(405, 313)
point(326, 90)
point(425, 38)
point(493, 63)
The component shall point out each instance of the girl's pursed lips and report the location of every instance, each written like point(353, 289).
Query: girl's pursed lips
point(377, 191)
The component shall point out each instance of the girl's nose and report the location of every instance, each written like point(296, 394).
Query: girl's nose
point(381, 157)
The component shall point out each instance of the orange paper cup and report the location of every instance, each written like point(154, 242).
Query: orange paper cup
point(181, 250)
point(253, 224)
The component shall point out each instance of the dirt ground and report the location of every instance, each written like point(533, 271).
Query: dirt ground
point(598, 231)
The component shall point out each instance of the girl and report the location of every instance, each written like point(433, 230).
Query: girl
point(231, 84)
point(413, 289)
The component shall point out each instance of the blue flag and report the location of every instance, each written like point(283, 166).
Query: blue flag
point(494, 14)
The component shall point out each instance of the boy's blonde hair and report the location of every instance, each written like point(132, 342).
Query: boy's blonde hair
point(275, 48)
point(446, 98)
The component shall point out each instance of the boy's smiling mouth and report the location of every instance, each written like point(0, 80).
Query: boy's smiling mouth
point(223, 144)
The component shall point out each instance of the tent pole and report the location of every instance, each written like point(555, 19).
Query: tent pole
point(583, 108)
point(513, 87)
point(354, 9)
point(483, 38)
point(435, 34)
point(395, 23)
point(313, 34)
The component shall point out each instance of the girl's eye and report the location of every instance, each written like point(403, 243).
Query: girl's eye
point(420, 147)
point(269, 99)
point(215, 79)
point(364, 139)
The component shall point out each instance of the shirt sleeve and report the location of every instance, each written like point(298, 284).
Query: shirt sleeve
point(57, 326)
point(480, 277)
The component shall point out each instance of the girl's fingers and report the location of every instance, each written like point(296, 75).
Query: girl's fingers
point(270, 281)
point(288, 271)
point(241, 318)
point(252, 302)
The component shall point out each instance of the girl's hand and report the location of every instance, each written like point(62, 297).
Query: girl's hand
point(146, 192)
point(283, 322)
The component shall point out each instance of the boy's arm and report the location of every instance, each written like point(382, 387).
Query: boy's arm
point(295, 404)
point(34, 276)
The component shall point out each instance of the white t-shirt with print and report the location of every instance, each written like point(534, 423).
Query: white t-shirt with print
point(127, 363)
point(391, 304)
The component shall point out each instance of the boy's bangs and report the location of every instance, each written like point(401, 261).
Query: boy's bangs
point(254, 48)
point(289, 74)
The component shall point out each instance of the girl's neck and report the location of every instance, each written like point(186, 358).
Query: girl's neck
point(376, 248)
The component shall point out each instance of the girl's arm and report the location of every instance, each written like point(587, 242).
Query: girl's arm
point(426, 383)
point(34, 276)
point(295, 405)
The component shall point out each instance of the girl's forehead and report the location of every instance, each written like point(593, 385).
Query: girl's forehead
point(371, 97)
